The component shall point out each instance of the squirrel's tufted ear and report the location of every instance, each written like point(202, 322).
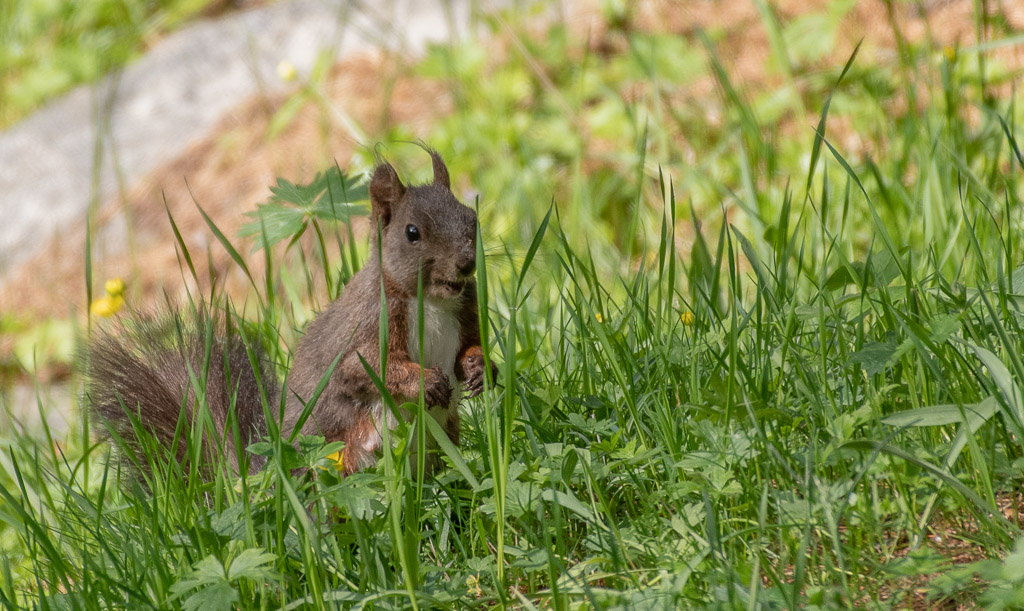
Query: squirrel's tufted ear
point(385, 191)
point(440, 170)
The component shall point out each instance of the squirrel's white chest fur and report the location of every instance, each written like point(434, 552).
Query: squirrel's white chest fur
point(440, 349)
point(440, 336)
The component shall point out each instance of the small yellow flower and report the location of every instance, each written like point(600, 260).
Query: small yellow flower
point(598, 316)
point(339, 459)
point(286, 70)
point(686, 318)
point(473, 586)
point(114, 287)
point(106, 306)
point(950, 53)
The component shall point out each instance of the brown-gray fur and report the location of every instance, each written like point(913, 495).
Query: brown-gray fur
point(350, 326)
point(150, 367)
point(141, 372)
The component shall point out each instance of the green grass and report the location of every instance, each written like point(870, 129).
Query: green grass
point(815, 405)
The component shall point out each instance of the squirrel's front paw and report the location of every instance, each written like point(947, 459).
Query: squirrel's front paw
point(472, 368)
point(437, 389)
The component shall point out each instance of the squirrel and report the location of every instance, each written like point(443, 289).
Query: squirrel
point(135, 376)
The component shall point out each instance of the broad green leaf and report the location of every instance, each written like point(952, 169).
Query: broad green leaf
point(842, 276)
point(875, 356)
point(219, 597)
point(944, 326)
point(938, 415)
point(338, 192)
point(567, 501)
point(214, 591)
point(302, 196)
point(1017, 281)
point(281, 222)
point(330, 196)
point(1001, 376)
point(207, 571)
point(251, 564)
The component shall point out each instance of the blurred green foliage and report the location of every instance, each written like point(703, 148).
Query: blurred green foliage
point(49, 46)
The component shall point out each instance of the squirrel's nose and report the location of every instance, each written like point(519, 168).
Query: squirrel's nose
point(467, 266)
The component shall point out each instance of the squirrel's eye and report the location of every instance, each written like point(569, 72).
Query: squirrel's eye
point(412, 233)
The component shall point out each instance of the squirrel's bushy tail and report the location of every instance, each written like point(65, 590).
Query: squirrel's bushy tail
point(161, 372)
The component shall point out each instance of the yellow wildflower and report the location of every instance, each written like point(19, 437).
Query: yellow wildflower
point(106, 306)
point(114, 287)
point(112, 302)
point(686, 318)
point(473, 586)
point(598, 316)
point(339, 459)
point(950, 53)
